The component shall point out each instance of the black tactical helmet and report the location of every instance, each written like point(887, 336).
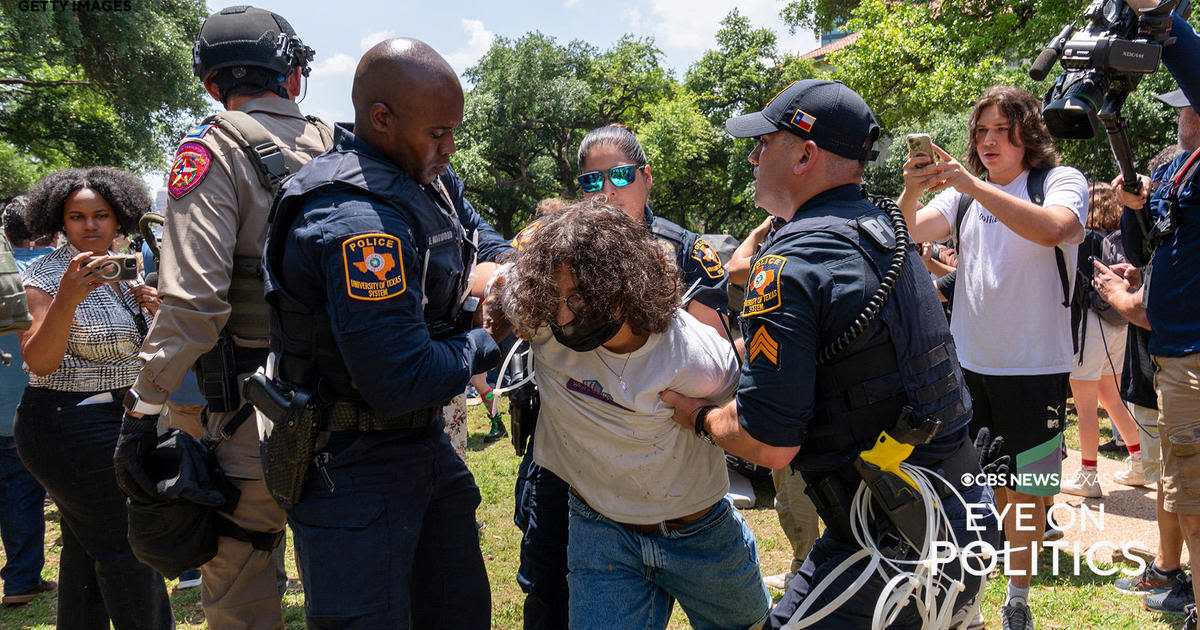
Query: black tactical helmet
point(245, 39)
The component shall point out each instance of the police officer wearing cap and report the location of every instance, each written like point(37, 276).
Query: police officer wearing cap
point(370, 261)
point(845, 339)
point(220, 189)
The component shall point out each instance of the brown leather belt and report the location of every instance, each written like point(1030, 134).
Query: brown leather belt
point(670, 525)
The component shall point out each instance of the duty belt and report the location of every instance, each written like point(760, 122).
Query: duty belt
point(352, 416)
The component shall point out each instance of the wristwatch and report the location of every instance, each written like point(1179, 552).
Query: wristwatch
point(134, 403)
point(701, 418)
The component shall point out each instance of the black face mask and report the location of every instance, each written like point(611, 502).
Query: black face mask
point(586, 337)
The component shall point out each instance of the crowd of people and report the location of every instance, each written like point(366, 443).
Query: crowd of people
point(331, 292)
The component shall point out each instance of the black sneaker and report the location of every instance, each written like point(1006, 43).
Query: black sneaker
point(498, 431)
point(1113, 447)
point(1190, 622)
point(1152, 580)
point(1174, 601)
point(1016, 616)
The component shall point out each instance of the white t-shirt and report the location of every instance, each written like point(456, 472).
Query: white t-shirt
point(620, 450)
point(1008, 313)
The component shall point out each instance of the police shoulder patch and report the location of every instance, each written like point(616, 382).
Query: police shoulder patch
point(374, 268)
point(522, 239)
point(668, 248)
point(762, 344)
point(191, 165)
point(763, 293)
point(704, 254)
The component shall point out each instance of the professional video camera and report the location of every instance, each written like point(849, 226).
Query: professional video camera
point(1101, 68)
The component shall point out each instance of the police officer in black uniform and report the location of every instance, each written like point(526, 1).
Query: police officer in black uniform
point(831, 358)
point(369, 264)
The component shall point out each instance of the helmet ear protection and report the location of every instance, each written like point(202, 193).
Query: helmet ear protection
point(244, 45)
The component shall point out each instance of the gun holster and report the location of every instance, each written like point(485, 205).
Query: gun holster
point(216, 371)
point(524, 404)
point(288, 446)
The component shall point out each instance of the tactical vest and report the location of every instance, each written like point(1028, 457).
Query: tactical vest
point(664, 230)
point(905, 356)
point(248, 318)
point(302, 334)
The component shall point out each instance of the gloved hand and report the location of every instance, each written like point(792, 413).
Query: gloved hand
point(989, 453)
point(137, 438)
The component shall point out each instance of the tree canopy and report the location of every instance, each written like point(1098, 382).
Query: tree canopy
point(83, 87)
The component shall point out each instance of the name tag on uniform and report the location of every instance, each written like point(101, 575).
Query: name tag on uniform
point(441, 237)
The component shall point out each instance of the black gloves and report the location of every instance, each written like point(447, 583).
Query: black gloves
point(138, 437)
point(989, 453)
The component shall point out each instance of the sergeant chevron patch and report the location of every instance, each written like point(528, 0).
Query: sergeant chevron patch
point(762, 344)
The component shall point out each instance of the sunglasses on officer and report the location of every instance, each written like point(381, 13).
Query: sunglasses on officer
point(620, 176)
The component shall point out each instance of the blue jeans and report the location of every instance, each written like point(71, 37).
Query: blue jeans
point(22, 522)
point(69, 450)
point(541, 514)
point(388, 539)
point(828, 552)
point(620, 578)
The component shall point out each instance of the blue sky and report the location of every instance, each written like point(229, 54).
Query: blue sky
point(462, 32)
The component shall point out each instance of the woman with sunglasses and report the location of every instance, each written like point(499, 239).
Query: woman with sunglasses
point(81, 353)
point(612, 165)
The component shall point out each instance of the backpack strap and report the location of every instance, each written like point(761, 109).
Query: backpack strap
point(1035, 186)
point(324, 129)
point(257, 143)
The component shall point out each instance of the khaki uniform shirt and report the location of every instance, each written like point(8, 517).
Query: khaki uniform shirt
point(217, 209)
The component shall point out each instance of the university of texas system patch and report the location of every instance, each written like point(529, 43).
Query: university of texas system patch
point(374, 269)
point(704, 254)
point(762, 292)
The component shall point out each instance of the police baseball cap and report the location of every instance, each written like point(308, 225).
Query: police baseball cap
point(1174, 99)
point(826, 112)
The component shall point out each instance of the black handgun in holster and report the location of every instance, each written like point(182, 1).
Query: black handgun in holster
point(524, 404)
point(216, 372)
point(289, 446)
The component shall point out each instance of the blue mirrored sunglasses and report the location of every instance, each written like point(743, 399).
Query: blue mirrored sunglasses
point(620, 176)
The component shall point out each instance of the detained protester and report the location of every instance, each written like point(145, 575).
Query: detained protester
point(218, 198)
point(369, 261)
point(81, 356)
point(649, 521)
point(613, 167)
point(1019, 218)
point(818, 390)
point(1172, 247)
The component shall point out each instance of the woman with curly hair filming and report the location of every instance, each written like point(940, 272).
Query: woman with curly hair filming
point(649, 522)
point(81, 354)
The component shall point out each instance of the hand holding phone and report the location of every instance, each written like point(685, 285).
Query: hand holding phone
point(920, 144)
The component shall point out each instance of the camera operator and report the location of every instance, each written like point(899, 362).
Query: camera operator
point(1172, 295)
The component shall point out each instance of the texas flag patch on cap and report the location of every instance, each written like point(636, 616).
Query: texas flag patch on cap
point(802, 120)
point(191, 165)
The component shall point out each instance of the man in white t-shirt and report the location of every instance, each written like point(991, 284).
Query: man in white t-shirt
point(1010, 324)
point(649, 521)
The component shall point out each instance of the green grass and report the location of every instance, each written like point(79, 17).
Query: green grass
point(1064, 601)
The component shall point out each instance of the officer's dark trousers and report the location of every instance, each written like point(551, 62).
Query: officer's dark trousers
point(385, 535)
point(541, 513)
point(22, 522)
point(828, 552)
point(69, 449)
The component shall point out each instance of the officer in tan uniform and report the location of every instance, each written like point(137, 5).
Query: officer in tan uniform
point(213, 314)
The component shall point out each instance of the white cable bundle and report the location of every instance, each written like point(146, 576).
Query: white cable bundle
point(924, 583)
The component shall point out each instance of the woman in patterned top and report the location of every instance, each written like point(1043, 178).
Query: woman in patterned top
point(81, 354)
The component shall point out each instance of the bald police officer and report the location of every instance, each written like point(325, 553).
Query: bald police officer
point(369, 261)
point(825, 375)
point(220, 190)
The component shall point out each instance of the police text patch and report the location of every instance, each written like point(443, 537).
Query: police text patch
point(191, 165)
point(704, 254)
point(763, 290)
point(374, 269)
point(762, 344)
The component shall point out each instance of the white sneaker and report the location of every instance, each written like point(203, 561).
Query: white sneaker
point(1132, 475)
point(779, 582)
point(1083, 484)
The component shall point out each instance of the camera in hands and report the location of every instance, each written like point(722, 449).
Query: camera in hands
point(119, 268)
